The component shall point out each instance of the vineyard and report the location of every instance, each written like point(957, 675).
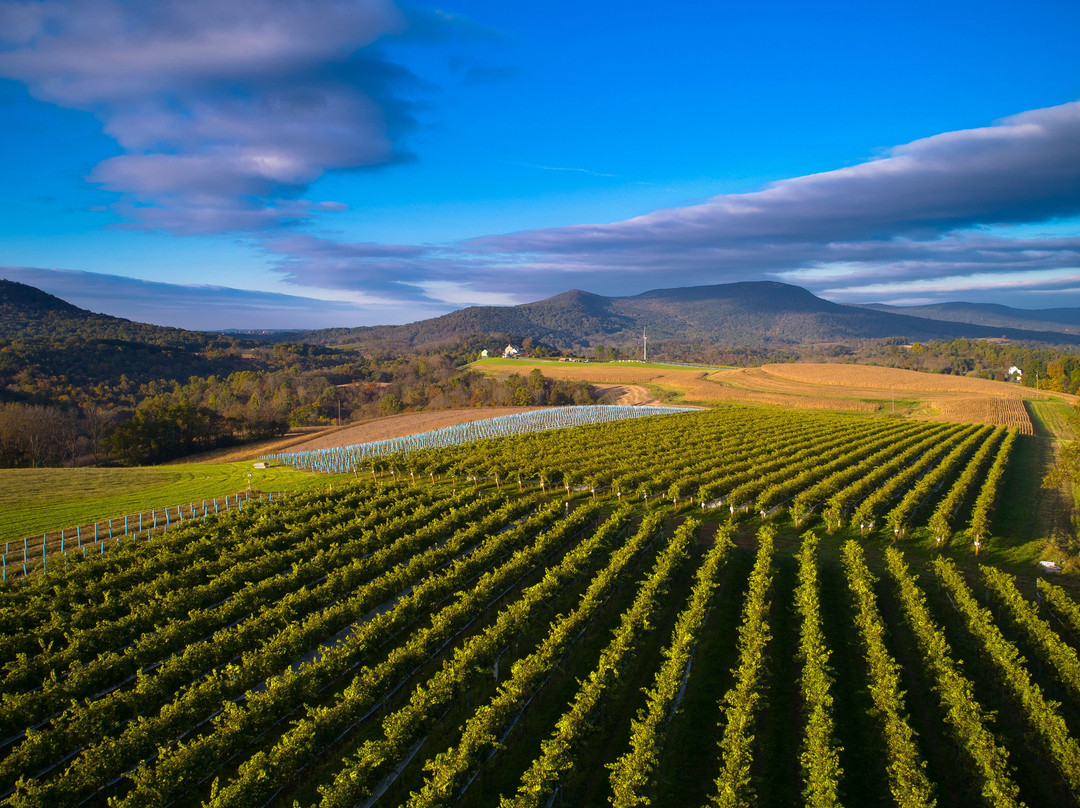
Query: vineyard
point(735, 607)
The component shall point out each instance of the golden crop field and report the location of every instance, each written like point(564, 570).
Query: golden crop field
point(875, 378)
point(944, 397)
point(694, 385)
point(820, 386)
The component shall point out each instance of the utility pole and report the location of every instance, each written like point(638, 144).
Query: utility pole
point(644, 346)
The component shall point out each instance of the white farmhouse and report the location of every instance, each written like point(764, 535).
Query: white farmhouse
point(509, 352)
point(1015, 374)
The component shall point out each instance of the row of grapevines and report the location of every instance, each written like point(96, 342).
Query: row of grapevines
point(559, 751)
point(657, 471)
point(72, 589)
point(841, 502)
point(941, 521)
point(915, 496)
point(672, 475)
point(1063, 607)
point(868, 510)
point(272, 639)
point(775, 458)
point(908, 782)
point(104, 586)
point(117, 612)
point(750, 449)
point(1041, 715)
point(110, 755)
point(739, 704)
point(963, 713)
point(181, 767)
point(789, 467)
point(321, 580)
point(482, 732)
point(979, 526)
point(264, 772)
point(798, 481)
point(1052, 650)
point(735, 453)
point(820, 758)
point(632, 774)
point(842, 479)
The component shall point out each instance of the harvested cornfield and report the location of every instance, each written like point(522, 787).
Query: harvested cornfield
point(942, 397)
point(874, 378)
point(820, 386)
point(997, 411)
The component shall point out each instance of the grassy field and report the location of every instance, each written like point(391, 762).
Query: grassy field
point(33, 501)
point(1051, 418)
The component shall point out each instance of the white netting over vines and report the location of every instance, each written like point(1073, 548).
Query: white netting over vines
point(346, 459)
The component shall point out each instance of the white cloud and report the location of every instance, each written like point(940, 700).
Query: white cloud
point(230, 107)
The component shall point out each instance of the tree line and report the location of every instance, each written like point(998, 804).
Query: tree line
point(163, 420)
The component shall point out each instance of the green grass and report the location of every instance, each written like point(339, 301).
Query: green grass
point(1051, 419)
point(33, 501)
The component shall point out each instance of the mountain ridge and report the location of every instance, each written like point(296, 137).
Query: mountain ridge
point(747, 313)
point(750, 313)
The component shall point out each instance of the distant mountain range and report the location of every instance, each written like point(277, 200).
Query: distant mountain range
point(1065, 321)
point(751, 313)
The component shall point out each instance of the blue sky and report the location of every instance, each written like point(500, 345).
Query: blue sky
point(269, 164)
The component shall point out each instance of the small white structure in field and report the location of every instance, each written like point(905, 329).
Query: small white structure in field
point(1015, 374)
point(509, 352)
point(262, 465)
point(1050, 568)
point(484, 354)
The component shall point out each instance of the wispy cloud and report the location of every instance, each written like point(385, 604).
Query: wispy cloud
point(587, 171)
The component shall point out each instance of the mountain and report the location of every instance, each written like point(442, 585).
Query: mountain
point(748, 313)
point(26, 312)
point(1066, 321)
point(45, 338)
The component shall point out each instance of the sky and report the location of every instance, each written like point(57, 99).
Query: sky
point(310, 163)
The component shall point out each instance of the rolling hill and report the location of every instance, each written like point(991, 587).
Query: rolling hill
point(42, 336)
point(29, 313)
